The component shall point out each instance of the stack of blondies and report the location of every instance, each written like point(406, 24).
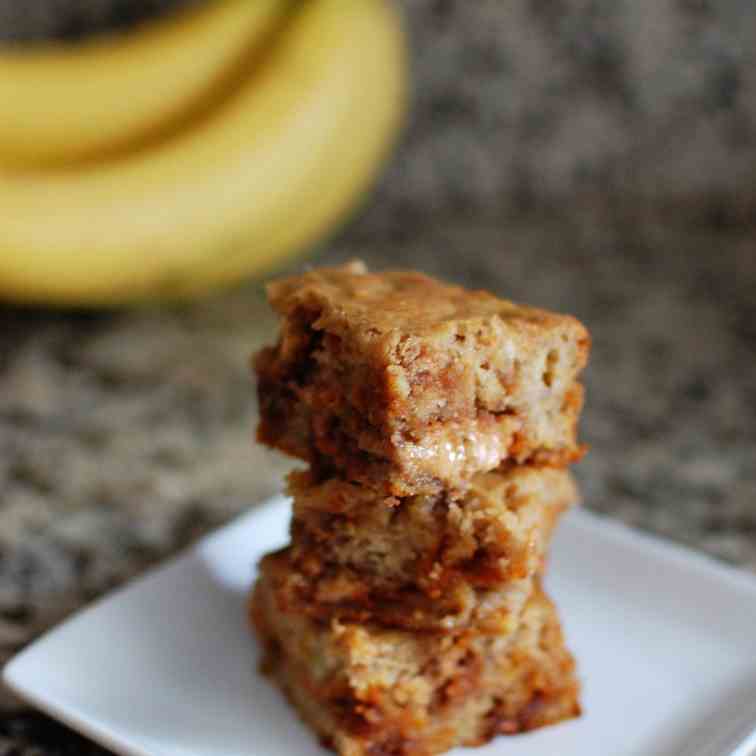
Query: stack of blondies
point(407, 615)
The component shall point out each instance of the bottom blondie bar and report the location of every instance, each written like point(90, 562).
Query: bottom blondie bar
point(369, 691)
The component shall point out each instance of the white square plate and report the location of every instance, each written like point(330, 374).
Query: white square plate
point(666, 642)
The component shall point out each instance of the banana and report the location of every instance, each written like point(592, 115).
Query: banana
point(273, 170)
point(65, 102)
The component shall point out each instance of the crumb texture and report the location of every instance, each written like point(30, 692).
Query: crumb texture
point(368, 690)
point(427, 561)
point(409, 385)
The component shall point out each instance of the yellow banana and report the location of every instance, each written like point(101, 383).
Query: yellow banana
point(270, 172)
point(63, 102)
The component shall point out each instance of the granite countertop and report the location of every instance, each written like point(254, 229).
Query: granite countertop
point(543, 161)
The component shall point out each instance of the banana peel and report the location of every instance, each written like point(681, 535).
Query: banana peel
point(64, 103)
point(268, 173)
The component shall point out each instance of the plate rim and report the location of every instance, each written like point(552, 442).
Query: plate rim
point(100, 734)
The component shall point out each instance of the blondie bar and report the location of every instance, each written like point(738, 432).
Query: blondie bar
point(409, 385)
point(368, 691)
point(425, 561)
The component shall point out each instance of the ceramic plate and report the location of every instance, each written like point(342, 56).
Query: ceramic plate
point(666, 642)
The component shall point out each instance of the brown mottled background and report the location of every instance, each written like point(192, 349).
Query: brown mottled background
point(595, 156)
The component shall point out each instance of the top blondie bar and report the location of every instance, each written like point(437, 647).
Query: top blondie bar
point(409, 385)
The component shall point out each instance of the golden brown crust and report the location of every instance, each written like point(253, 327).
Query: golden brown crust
point(369, 691)
point(375, 307)
point(410, 385)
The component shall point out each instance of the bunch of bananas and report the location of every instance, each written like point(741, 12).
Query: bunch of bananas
point(198, 149)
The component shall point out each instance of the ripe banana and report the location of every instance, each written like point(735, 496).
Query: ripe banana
point(63, 102)
point(270, 172)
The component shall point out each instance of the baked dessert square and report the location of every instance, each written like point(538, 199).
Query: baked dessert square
point(429, 561)
point(369, 691)
point(409, 385)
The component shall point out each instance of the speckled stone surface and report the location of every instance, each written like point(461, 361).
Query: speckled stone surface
point(546, 135)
